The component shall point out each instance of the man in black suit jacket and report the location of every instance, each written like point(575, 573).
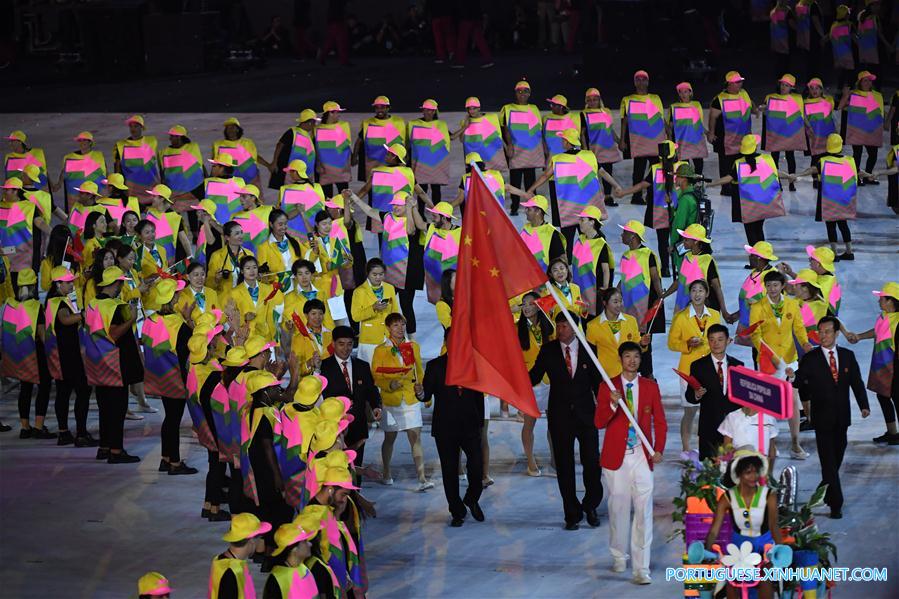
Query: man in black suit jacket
point(456, 425)
point(351, 377)
point(825, 376)
point(573, 383)
point(711, 372)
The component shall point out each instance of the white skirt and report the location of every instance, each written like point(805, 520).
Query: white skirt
point(683, 395)
point(541, 394)
point(401, 418)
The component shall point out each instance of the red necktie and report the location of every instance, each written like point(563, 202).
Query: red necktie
point(720, 375)
point(346, 375)
point(833, 368)
point(568, 360)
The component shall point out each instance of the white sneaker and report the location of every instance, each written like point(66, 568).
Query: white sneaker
point(487, 481)
point(463, 479)
point(641, 578)
point(129, 415)
point(148, 409)
point(387, 481)
point(619, 565)
point(425, 486)
point(799, 454)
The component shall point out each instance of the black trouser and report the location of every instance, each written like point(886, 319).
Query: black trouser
point(639, 174)
point(328, 188)
point(406, 297)
point(646, 361)
point(215, 478)
point(554, 205)
point(40, 404)
point(82, 404)
point(237, 501)
point(872, 157)
point(843, 76)
point(755, 232)
point(725, 166)
point(890, 407)
point(171, 425)
point(113, 405)
point(831, 443)
point(522, 178)
point(606, 186)
point(448, 447)
point(790, 155)
point(844, 231)
point(663, 237)
point(570, 234)
point(562, 436)
point(433, 189)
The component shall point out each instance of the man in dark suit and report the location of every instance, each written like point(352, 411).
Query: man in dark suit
point(573, 382)
point(711, 372)
point(456, 425)
point(825, 376)
point(351, 377)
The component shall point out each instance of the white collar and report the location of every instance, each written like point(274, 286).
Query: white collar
point(829, 349)
point(603, 318)
point(693, 313)
point(625, 382)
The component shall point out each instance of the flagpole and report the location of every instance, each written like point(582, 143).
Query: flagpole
point(580, 335)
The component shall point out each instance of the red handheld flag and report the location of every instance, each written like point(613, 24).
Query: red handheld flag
point(408, 353)
point(276, 287)
point(750, 329)
point(393, 369)
point(300, 325)
point(546, 303)
point(651, 313)
point(768, 360)
point(814, 337)
point(690, 380)
point(494, 265)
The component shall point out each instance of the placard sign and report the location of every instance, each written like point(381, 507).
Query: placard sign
point(768, 395)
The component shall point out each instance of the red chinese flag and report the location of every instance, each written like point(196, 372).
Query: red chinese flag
point(750, 329)
point(689, 379)
point(300, 325)
point(814, 337)
point(494, 265)
point(768, 360)
point(651, 313)
point(408, 353)
point(546, 303)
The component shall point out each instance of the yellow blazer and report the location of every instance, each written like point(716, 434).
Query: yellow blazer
point(372, 330)
point(683, 327)
point(263, 324)
point(327, 275)
point(599, 334)
point(90, 248)
point(385, 357)
point(303, 347)
point(444, 314)
point(130, 289)
point(571, 303)
point(268, 254)
point(186, 297)
point(530, 354)
point(218, 260)
point(294, 301)
point(44, 274)
point(147, 264)
point(778, 335)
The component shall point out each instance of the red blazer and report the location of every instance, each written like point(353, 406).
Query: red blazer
point(651, 418)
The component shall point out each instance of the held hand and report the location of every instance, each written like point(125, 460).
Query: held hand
point(622, 145)
point(851, 337)
point(807, 347)
point(395, 384)
point(614, 398)
point(710, 135)
point(866, 413)
point(376, 413)
point(694, 342)
point(657, 458)
point(732, 318)
point(790, 373)
point(617, 193)
point(419, 390)
point(645, 340)
point(698, 393)
point(250, 316)
point(316, 360)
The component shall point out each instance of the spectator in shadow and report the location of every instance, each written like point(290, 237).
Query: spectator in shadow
point(471, 24)
point(442, 14)
point(337, 36)
point(276, 40)
point(301, 22)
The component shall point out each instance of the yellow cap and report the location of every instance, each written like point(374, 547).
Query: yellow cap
point(138, 119)
point(162, 191)
point(207, 206)
point(335, 408)
point(332, 106)
point(788, 79)
point(260, 379)
point(111, 275)
point(473, 157)
point(571, 136)
point(890, 289)
point(538, 201)
point(472, 102)
point(299, 166)
point(84, 136)
point(806, 275)
point(558, 99)
point(32, 171)
point(333, 470)
point(231, 121)
point(762, 249)
point(866, 75)
point(670, 149)
point(17, 136)
point(61, 273)
point(593, 212)
point(27, 277)
point(397, 150)
point(163, 292)
point(335, 202)
point(733, 77)
point(116, 180)
point(88, 187)
point(696, 232)
point(294, 532)
point(236, 357)
point(178, 131)
point(245, 526)
point(749, 144)
point(326, 432)
point(842, 12)
point(307, 114)
point(250, 190)
point(198, 345)
point(592, 92)
point(823, 255)
point(153, 584)
point(309, 389)
point(381, 101)
point(223, 160)
point(834, 144)
point(522, 85)
point(444, 209)
point(13, 183)
point(255, 345)
point(635, 227)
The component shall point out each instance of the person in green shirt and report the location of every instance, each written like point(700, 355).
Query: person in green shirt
point(686, 213)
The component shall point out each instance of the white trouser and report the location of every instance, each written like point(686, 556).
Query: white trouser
point(632, 482)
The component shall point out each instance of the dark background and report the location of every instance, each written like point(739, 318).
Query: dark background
point(213, 55)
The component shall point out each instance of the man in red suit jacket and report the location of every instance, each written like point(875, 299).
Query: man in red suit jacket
point(626, 464)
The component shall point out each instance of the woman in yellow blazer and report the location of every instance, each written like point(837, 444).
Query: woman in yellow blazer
point(203, 298)
point(329, 257)
point(223, 269)
point(781, 321)
point(400, 383)
point(688, 336)
point(559, 274)
point(372, 302)
point(254, 300)
point(150, 255)
point(534, 329)
point(611, 328)
point(444, 305)
point(302, 290)
point(105, 258)
point(134, 289)
point(312, 349)
point(281, 250)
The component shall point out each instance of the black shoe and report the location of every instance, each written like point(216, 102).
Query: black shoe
point(571, 526)
point(85, 440)
point(204, 513)
point(666, 274)
point(226, 482)
point(164, 466)
point(884, 438)
point(514, 212)
point(592, 518)
point(5, 428)
point(638, 202)
point(102, 454)
point(836, 514)
point(806, 425)
point(893, 440)
point(457, 522)
point(65, 438)
point(25, 433)
point(611, 203)
point(792, 186)
point(122, 458)
point(476, 512)
point(220, 516)
point(182, 468)
point(873, 182)
point(747, 266)
point(847, 256)
point(42, 433)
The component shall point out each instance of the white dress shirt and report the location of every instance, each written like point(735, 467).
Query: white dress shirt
point(836, 355)
point(723, 363)
point(349, 368)
point(573, 346)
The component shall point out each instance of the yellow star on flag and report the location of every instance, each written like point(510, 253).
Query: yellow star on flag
point(494, 272)
point(475, 262)
point(468, 240)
